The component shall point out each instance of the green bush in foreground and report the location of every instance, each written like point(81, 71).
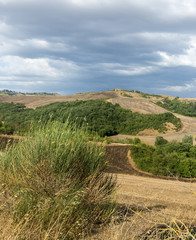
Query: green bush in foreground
point(56, 179)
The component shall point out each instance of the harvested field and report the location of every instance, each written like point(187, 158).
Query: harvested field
point(118, 162)
point(177, 198)
point(149, 201)
point(33, 101)
point(145, 202)
point(140, 105)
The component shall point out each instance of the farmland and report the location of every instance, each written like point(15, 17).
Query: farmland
point(147, 199)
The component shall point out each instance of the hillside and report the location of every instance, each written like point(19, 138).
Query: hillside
point(99, 116)
point(132, 100)
point(144, 201)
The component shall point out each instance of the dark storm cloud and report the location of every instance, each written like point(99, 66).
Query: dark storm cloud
point(74, 45)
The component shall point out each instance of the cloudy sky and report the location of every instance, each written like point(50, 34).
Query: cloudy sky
point(71, 46)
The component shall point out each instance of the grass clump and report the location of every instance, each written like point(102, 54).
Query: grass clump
point(55, 179)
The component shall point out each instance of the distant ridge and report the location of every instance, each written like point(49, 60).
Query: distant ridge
point(9, 92)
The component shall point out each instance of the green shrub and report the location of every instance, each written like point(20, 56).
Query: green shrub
point(177, 106)
point(160, 141)
point(136, 140)
point(188, 139)
point(55, 177)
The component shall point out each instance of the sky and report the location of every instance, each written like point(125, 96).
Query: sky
point(73, 46)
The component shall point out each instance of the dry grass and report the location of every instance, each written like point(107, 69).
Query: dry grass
point(34, 101)
point(52, 185)
point(147, 206)
point(151, 209)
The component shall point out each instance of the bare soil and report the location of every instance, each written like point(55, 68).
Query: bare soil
point(177, 198)
point(141, 105)
point(145, 202)
point(34, 101)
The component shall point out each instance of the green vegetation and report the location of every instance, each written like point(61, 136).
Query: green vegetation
point(147, 95)
point(128, 140)
point(160, 141)
point(177, 106)
point(173, 158)
point(124, 94)
point(101, 117)
point(55, 182)
point(188, 139)
point(144, 95)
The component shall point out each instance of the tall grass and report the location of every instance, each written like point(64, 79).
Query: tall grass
point(54, 178)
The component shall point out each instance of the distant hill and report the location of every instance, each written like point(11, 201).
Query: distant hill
point(9, 92)
point(134, 101)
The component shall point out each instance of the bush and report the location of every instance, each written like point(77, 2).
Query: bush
point(188, 139)
point(56, 179)
point(136, 140)
point(160, 141)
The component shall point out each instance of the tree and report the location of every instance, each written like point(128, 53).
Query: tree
point(160, 141)
point(188, 139)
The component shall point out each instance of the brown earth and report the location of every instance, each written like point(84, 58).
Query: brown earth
point(141, 105)
point(151, 200)
point(33, 101)
point(145, 202)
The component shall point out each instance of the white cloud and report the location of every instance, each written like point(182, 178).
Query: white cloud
point(13, 68)
point(187, 58)
point(10, 46)
point(21, 83)
point(186, 87)
point(126, 70)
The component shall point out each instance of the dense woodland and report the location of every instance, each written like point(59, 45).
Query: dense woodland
point(101, 117)
point(177, 106)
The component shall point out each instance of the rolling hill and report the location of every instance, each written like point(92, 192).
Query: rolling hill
point(131, 100)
